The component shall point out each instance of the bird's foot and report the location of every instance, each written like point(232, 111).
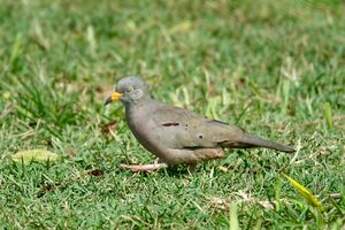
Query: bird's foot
point(144, 168)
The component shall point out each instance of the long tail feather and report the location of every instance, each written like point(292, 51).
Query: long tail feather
point(249, 141)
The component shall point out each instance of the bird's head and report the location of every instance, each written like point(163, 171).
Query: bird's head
point(128, 90)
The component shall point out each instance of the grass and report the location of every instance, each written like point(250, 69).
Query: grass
point(275, 68)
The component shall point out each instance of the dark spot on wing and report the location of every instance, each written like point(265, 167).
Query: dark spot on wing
point(201, 136)
point(169, 124)
point(243, 130)
point(220, 122)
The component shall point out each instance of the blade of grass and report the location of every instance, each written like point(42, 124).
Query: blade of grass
point(304, 192)
point(327, 113)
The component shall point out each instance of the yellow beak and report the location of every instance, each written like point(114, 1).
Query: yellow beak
point(115, 96)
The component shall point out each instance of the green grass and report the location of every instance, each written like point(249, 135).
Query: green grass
point(276, 68)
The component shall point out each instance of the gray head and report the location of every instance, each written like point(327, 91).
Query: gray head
point(131, 89)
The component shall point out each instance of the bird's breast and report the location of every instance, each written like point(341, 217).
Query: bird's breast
point(142, 127)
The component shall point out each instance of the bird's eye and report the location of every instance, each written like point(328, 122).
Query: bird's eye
point(130, 89)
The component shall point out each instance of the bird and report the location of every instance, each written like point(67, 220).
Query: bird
point(176, 135)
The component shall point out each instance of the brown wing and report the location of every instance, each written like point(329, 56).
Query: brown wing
point(179, 128)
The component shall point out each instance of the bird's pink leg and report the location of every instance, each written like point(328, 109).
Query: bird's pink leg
point(145, 168)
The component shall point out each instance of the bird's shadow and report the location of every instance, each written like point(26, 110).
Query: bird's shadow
point(176, 171)
point(183, 170)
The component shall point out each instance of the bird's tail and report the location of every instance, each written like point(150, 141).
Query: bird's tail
point(249, 141)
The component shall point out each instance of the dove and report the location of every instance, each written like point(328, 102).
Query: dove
point(176, 135)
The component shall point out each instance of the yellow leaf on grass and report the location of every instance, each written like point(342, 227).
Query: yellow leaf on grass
point(27, 156)
point(181, 27)
point(303, 191)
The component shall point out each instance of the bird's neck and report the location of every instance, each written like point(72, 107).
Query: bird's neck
point(136, 115)
point(133, 108)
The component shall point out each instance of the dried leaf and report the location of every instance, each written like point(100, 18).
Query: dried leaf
point(223, 169)
point(249, 199)
point(95, 172)
point(40, 155)
point(218, 203)
point(109, 128)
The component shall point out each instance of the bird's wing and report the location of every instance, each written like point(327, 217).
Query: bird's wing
point(179, 128)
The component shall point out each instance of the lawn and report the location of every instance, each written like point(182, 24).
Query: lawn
point(275, 68)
